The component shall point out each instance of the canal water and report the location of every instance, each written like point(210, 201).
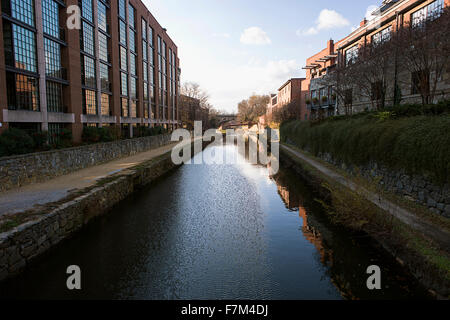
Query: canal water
point(216, 232)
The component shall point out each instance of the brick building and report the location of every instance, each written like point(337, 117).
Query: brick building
point(190, 111)
point(119, 67)
point(387, 19)
point(289, 92)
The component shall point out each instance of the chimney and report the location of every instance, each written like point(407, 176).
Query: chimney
point(363, 23)
point(330, 46)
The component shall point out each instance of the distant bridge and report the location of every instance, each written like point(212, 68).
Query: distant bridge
point(226, 118)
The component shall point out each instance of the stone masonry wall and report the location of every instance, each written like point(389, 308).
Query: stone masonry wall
point(417, 188)
point(21, 170)
point(21, 245)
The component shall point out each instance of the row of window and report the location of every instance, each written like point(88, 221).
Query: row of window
point(20, 52)
point(418, 18)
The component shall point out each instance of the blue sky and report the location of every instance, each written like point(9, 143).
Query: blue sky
point(234, 48)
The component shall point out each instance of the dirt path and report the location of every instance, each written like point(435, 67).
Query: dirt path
point(431, 230)
point(26, 197)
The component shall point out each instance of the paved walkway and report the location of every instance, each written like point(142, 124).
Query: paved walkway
point(26, 197)
point(431, 230)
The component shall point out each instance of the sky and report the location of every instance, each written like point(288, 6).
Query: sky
point(236, 48)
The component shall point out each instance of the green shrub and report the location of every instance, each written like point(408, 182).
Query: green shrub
point(40, 140)
point(418, 144)
point(90, 135)
point(15, 141)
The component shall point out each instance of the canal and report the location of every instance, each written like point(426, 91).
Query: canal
point(216, 232)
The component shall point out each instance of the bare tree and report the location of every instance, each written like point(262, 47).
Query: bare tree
point(193, 90)
point(372, 72)
point(341, 79)
point(424, 49)
point(286, 112)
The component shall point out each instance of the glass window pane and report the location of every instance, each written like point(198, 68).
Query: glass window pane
point(90, 102)
point(103, 47)
point(54, 97)
point(23, 10)
point(50, 18)
point(52, 59)
point(24, 48)
point(88, 38)
point(102, 16)
point(87, 10)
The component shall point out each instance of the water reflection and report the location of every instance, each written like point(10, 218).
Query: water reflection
point(215, 232)
point(344, 254)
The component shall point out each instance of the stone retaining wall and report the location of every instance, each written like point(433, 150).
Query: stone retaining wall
point(417, 188)
point(23, 244)
point(21, 170)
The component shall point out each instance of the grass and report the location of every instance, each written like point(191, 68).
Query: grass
point(418, 144)
point(351, 210)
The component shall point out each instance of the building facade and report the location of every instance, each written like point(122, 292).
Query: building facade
point(191, 111)
point(328, 95)
point(75, 63)
point(289, 92)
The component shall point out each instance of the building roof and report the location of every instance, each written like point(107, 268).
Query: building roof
point(290, 80)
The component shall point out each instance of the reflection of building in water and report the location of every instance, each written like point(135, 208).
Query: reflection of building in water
point(289, 198)
point(314, 237)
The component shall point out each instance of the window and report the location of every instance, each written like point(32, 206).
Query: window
point(133, 90)
point(54, 97)
point(124, 84)
point(103, 47)
point(427, 13)
point(351, 55)
point(133, 109)
point(133, 65)
point(144, 29)
point(88, 72)
point(105, 104)
point(22, 42)
point(145, 91)
point(122, 9)
point(146, 110)
point(104, 77)
point(50, 18)
point(131, 17)
point(102, 24)
point(23, 10)
point(22, 92)
point(123, 59)
point(87, 10)
point(89, 102)
point(52, 59)
point(54, 132)
point(382, 36)
point(145, 71)
point(122, 33)
point(88, 38)
point(132, 40)
point(124, 105)
point(144, 51)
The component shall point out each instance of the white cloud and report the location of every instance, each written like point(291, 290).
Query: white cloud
point(256, 36)
point(328, 19)
point(369, 11)
point(222, 35)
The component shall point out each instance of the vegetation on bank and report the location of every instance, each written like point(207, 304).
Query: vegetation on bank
point(421, 255)
point(16, 141)
point(411, 137)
